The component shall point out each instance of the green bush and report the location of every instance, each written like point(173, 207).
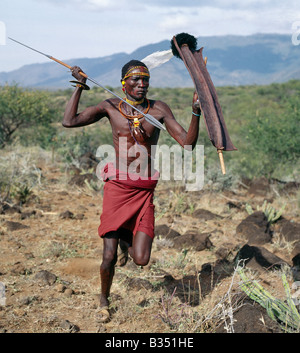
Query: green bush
point(20, 110)
point(273, 140)
point(263, 123)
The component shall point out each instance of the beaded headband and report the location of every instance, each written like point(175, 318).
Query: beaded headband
point(143, 72)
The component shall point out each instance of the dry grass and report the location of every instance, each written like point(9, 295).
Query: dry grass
point(141, 299)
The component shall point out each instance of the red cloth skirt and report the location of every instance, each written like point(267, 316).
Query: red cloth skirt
point(127, 203)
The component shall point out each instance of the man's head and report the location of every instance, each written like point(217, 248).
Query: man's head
point(135, 79)
point(127, 68)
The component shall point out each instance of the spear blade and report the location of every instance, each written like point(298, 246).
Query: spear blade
point(24, 45)
point(154, 122)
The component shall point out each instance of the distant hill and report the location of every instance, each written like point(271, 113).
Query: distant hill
point(232, 60)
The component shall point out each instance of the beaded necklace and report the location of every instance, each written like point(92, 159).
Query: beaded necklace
point(135, 102)
point(133, 121)
point(135, 118)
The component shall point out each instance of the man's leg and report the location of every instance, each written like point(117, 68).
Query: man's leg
point(107, 268)
point(141, 248)
point(125, 243)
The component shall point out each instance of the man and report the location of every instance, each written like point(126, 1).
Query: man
point(128, 212)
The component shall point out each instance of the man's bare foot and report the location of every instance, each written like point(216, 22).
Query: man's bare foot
point(122, 253)
point(102, 314)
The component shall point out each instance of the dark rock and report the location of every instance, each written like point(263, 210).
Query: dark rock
point(288, 231)
point(18, 269)
point(79, 179)
point(166, 232)
point(200, 285)
point(12, 226)
point(28, 300)
point(296, 259)
point(248, 319)
point(168, 279)
point(231, 205)
point(66, 215)
point(296, 262)
point(296, 273)
point(226, 251)
point(28, 214)
point(259, 187)
point(291, 187)
point(138, 283)
point(161, 276)
point(205, 215)
point(8, 209)
point(80, 216)
point(45, 277)
point(255, 229)
point(144, 303)
point(196, 241)
point(88, 160)
point(68, 326)
point(259, 258)
point(24, 301)
point(212, 273)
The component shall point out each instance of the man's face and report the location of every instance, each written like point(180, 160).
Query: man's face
point(137, 85)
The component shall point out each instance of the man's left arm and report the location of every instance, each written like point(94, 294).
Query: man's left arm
point(186, 139)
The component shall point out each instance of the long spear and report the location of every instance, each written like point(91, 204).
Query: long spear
point(148, 117)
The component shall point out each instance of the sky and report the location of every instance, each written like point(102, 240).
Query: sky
point(67, 29)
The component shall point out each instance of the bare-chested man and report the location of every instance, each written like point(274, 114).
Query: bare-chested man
point(129, 220)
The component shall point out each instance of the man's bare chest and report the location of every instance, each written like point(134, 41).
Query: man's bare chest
point(129, 123)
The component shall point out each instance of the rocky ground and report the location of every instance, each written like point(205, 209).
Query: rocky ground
point(50, 255)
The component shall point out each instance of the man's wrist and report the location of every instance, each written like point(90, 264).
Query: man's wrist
point(81, 85)
point(198, 113)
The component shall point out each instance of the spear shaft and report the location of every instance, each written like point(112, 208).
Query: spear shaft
point(148, 117)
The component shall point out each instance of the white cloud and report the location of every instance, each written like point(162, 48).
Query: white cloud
point(106, 5)
point(98, 5)
point(184, 13)
point(93, 28)
point(219, 21)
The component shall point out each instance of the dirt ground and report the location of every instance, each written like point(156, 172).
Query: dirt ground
point(50, 255)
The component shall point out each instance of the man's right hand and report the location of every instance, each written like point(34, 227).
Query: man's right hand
point(75, 70)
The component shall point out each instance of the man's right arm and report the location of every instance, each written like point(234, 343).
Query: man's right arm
point(89, 115)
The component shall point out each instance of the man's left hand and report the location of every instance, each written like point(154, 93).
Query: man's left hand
point(196, 104)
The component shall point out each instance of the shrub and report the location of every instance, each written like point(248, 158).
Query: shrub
point(22, 109)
